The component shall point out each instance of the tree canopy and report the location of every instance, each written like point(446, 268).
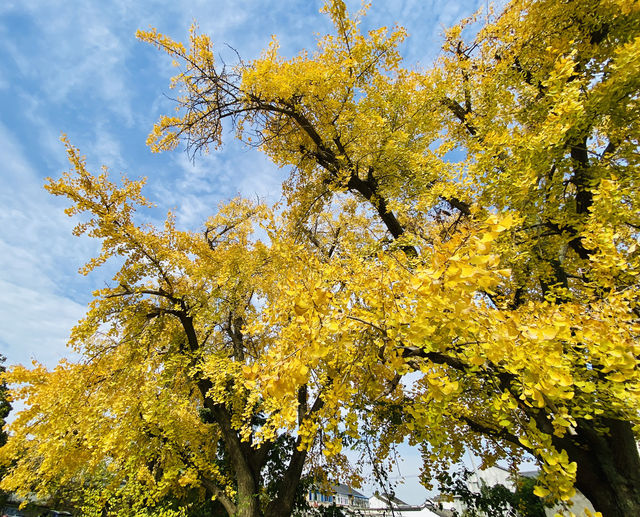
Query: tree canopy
point(456, 264)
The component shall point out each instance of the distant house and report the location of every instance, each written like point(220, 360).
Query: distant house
point(491, 476)
point(497, 475)
point(390, 506)
point(382, 502)
point(340, 494)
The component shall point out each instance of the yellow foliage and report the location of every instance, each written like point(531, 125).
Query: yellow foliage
point(457, 260)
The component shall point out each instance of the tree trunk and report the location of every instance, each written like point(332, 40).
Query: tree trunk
point(248, 503)
point(282, 505)
point(608, 466)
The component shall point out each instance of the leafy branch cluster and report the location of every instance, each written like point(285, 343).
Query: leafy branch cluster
point(456, 264)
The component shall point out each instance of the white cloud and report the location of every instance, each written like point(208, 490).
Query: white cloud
point(195, 188)
point(35, 324)
point(70, 47)
point(38, 258)
point(107, 149)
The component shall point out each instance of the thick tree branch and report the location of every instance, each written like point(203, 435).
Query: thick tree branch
point(221, 496)
point(283, 503)
point(460, 113)
point(498, 433)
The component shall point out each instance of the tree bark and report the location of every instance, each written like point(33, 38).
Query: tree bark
point(608, 466)
point(248, 484)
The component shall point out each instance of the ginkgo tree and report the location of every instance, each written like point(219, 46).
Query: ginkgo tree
point(159, 409)
point(457, 265)
point(535, 118)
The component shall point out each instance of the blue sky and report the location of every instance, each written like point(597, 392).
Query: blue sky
point(75, 67)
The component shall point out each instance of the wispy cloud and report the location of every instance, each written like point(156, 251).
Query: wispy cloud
point(194, 188)
point(40, 292)
point(61, 48)
point(35, 324)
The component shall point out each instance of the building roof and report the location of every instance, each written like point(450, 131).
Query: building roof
point(389, 499)
point(347, 490)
